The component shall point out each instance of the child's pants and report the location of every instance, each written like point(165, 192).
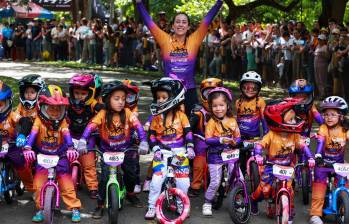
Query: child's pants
point(181, 174)
point(65, 184)
point(216, 173)
point(15, 155)
point(88, 166)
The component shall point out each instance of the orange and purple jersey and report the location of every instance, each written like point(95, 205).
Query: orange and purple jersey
point(331, 143)
point(23, 112)
point(308, 118)
point(172, 133)
point(117, 137)
point(45, 140)
point(214, 131)
point(280, 147)
point(180, 58)
point(249, 116)
point(8, 127)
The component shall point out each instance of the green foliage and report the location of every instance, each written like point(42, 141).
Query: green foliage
point(346, 15)
point(13, 84)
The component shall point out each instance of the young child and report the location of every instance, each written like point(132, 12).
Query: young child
point(8, 120)
point(221, 133)
point(114, 125)
point(169, 129)
point(250, 108)
point(83, 107)
point(279, 144)
point(50, 136)
point(303, 90)
point(332, 139)
point(29, 89)
point(132, 104)
point(198, 121)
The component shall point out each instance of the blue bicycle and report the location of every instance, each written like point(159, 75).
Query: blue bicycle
point(337, 197)
point(9, 181)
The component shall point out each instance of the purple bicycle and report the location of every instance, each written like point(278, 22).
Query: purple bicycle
point(239, 202)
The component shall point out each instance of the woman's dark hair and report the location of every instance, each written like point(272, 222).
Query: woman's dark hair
point(110, 114)
point(214, 96)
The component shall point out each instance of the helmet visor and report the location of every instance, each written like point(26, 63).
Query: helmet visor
point(53, 112)
point(205, 93)
point(4, 105)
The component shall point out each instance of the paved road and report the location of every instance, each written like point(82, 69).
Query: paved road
point(21, 211)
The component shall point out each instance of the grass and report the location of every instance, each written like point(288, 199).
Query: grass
point(13, 84)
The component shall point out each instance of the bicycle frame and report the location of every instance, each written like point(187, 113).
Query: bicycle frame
point(332, 196)
point(50, 182)
point(235, 179)
point(112, 179)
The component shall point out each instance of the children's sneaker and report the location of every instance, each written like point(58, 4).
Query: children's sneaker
point(315, 220)
point(137, 189)
point(193, 192)
point(98, 212)
point(93, 194)
point(75, 216)
point(146, 186)
point(134, 200)
point(38, 217)
point(150, 215)
point(207, 209)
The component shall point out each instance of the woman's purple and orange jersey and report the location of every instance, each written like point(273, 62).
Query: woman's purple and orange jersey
point(308, 118)
point(179, 58)
point(23, 112)
point(215, 129)
point(280, 147)
point(47, 141)
point(117, 138)
point(249, 116)
point(8, 127)
point(175, 133)
point(331, 143)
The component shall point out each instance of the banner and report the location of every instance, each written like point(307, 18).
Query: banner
point(55, 5)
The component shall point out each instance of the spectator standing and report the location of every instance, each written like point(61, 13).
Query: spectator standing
point(321, 57)
point(7, 41)
point(19, 42)
point(37, 40)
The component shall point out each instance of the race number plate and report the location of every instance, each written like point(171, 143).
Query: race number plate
point(113, 158)
point(231, 155)
point(283, 172)
point(47, 161)
point(342, 169)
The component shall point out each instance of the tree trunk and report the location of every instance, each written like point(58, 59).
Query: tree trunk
point(332, 10)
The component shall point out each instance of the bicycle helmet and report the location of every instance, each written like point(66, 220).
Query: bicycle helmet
point(52, 95)
point(251, 76)
point(34, 81)
point(5, 95)
point(301, 86)
point(275, 112)
point(206, 86)
point(132, 93)
point(110, 87)
point(85, 82)
point(98, 84)
point(175, 90)
point(335, 102)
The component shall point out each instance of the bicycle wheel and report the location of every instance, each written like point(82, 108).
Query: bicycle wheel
point(113, 204)
point(172, 206)
point(254, 176)
point(238, 210)
point(9, 180)
point(283, 210)
point(48, 204)
point(305, 185)
point(342, 215)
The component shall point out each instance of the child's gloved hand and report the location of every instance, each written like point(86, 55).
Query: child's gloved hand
point(226, 140)
point(318, 159)
point(82, 146)
point(29, 155)
point(190, 152)
point(21, 140)
point(72, 155)
point(4, 149)
point(259, 159)
point(311, 163)
point(143, 148)
point(157, 156)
